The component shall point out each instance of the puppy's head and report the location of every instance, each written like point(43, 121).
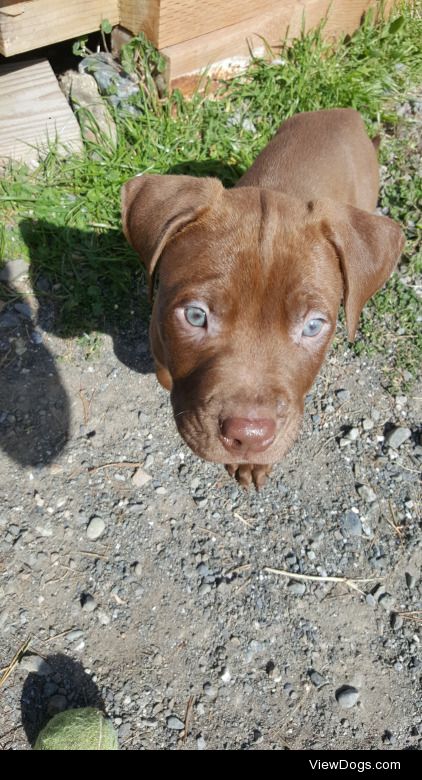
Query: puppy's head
point(250, 283)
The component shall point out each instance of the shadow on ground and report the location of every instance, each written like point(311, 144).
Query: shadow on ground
point(60, 684)
point(82, 283)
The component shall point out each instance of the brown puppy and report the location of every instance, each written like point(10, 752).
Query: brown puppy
point(251, 280)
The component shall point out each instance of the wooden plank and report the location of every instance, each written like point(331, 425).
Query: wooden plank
point(28, 25)
point(198, 18)
point(33, 111)
point(141, 16)
point(237, 40)
point(167, 22)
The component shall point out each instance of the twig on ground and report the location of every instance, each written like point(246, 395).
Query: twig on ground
point(15, 660)
point(350, 583)
point(188, 717)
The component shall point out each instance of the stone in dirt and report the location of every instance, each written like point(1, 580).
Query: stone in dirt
point(397, 437)
point(91, 110)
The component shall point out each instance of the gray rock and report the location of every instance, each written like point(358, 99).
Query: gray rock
point(210, 691)
point(88, 602)
point(353, 434)
point(367, 424)
point(9, 320)
point(367, 494)
point(13, 269)
point(36, 665)
point(200, 743)
point(387, 601)
point(204, 588)
point(174, 723)
point(411, 580)
point(91, 110)
point(102, 617)
point(225, 675)
point(396, 437)
point(350, 524)
point(343, 395)
point(298, 588)
point(396, 621)
point(317, 679)
point(23, 309)
point(74, 635)
point(95, 528)
point(347, 697)
point(37, 337)
point(137, 569)
point(141, 478)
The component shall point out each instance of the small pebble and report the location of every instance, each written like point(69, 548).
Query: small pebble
point(367, 494)
point(343, 395)
point(137, 569)
point(387, 601)
point(141, 478)
point(396, 437)
point(396, 621)
point(410, 580)
point(88, 602)
point(298, 588)
point(73, 636)
point(211, 691)
point(225, 676)
point(174, 723)
point(95, 528)
point(204, 589)
point(13, 269)
point(347, 697)
point(353, 434)
point(317, 679)
point(36, 665)
point(102, 617)
point(350, 524)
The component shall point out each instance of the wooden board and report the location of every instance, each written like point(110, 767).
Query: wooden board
point(167, 22)
point(238, 39)
point(33, 110)
point(28, 25)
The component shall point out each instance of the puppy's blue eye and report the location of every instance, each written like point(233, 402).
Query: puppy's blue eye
point(195, 316)
point(313, 327)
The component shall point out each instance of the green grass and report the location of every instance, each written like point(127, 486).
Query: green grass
point(65, 218)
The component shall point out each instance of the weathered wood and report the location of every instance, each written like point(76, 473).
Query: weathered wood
point(28, 25)
point(238, 40)
point(33, 112)
point(167, 22)
point(141, 16)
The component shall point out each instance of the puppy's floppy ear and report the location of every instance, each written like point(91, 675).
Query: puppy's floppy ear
point(155, 208)
point(368, 248)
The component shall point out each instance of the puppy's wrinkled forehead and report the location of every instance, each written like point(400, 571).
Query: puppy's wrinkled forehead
point(256, 242)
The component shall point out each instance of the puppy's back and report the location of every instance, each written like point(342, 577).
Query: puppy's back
point(320, 154)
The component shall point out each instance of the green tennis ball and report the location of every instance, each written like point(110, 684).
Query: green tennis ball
point(83, 729)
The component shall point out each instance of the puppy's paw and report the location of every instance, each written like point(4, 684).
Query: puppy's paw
point(247, 473)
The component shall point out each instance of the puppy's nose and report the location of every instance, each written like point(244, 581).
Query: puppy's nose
point(241, 435)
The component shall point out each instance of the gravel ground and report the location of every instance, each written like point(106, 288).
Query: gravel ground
point(143, 576)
